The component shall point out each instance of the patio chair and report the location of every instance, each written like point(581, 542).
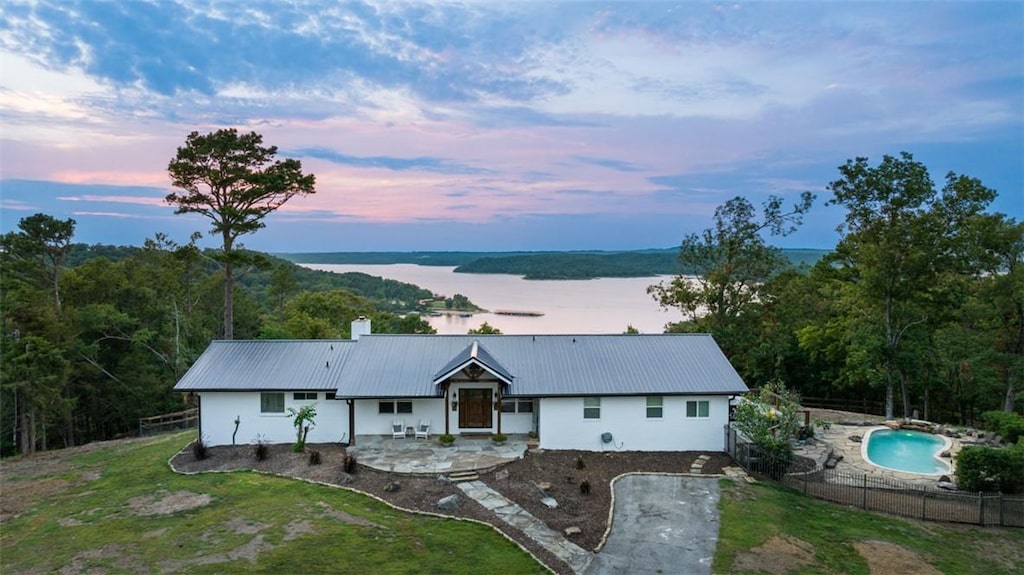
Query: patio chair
point(423, 429)
point(398, 429)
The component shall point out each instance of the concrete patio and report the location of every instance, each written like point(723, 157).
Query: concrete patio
point(428, 456)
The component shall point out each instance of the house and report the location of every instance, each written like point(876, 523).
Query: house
point(665, 392)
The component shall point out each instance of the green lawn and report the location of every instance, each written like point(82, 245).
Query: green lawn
point(92, 516)
point(770, 529)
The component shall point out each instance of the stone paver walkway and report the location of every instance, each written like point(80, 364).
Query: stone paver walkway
point(512, 514)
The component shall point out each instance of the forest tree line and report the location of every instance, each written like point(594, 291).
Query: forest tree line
point(95, 337)
point(919, 306)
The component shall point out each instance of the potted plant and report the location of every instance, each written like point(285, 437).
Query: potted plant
point(499, 438)
point(446, 440)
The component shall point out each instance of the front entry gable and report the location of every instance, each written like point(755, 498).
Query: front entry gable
point(474, 360)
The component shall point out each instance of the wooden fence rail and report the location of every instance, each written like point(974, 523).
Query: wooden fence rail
point(168, 422)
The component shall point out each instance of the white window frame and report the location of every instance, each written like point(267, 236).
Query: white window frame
point(591, 408)
point(696, 405)
point(265, 397)
point(304, 396)
point(655, 405)
point(513, 405)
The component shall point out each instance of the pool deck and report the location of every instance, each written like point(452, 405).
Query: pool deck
point(838, 437)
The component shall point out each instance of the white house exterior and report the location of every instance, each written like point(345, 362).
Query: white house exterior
point(666, 392)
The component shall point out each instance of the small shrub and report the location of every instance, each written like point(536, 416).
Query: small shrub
point(499, 438)
point(314, 457)
point(199, 449)
point(299, 446)
point(446, 439)
point(580, 464)
point(585, 487)
point(261, 450)
point(348, 464)
point(1007, 424)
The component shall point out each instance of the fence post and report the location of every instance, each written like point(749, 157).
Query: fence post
point(864, 494)
point(1000, 508)
point(924, 504)
point(981, 509)
point(805, 483)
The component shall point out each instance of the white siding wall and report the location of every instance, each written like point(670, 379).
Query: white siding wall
point(516, 422)
point(218, 410)
point(562, 425)
point(370, 422)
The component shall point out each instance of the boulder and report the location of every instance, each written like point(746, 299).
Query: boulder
point(946, 454)
point(444, 480)
point(549, 502)
point(392, 487)
point(543, 486)
point(569, 531)
point(855, 438)
point(449, 503)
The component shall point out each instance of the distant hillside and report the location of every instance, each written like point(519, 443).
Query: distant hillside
point(539, 265)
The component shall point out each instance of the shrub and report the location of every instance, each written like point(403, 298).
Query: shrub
point(446, 439)
point(580, 464)
point(585, 487)
point(499, 437)
point(314, 457)
point(261, 450)
point(305, 418)
point(199, 449)
point(1005, 423)
point(348, 464)
point(990, 469)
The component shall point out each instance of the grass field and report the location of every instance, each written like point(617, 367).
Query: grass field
point(118, 508)
point(770, 529)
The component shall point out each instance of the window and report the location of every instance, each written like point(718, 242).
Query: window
point(272, 402)
point(654, 407)
point(517, 405)
point(330, 395)
point(591, 408)
point(394, 407)
point(696, 409)
point(304, 395)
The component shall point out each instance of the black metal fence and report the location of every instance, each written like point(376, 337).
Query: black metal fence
point(878, 494)
point(176, 421)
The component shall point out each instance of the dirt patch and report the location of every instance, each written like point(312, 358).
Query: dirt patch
point(69, 522)
point(244, 526)
point(17, 496)
point(339, 515)
point(778, 556)
point(164, 503)
point(86, 562)
point(296, 529)
point(890, 559)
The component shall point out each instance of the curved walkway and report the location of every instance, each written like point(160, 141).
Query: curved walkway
point(661, 524)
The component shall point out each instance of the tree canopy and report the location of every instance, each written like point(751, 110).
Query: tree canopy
point(233, 180)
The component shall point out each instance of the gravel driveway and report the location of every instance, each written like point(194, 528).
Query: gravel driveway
point(661, 524)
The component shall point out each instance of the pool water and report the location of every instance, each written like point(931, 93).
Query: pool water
point(907, 451)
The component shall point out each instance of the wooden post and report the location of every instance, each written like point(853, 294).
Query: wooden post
point(924, 504)
point(864, 493)
point(981, 509)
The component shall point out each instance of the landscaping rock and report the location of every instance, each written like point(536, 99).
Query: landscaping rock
point(444, 480)
point(392, 487)
point(549, 502)
point(855, 438)
point(569, 531)
point(544, 486)
point(449, 503)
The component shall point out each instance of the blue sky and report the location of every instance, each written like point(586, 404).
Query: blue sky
point(501, 126)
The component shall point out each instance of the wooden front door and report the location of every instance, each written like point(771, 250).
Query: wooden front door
point(475, 408)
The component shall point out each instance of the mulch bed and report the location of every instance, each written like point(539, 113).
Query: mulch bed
point(518, 481)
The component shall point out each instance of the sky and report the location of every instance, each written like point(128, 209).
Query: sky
point(500, 125)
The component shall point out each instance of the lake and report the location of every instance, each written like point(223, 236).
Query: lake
point(605, 305)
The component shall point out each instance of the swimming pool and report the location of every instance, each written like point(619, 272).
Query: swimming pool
point(906, 451)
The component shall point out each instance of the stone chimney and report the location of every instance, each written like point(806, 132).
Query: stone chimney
point(360, 327)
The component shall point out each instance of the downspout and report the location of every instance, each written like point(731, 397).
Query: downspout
point(447, 415)
point(351, 421)
point(498, 407)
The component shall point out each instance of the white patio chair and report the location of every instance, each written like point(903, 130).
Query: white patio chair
point(398, 429)
point(423, 429)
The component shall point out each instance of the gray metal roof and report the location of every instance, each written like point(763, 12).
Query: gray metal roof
point(406, 365)
point(474, 353)
point(547, 365)
point(279, 365)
